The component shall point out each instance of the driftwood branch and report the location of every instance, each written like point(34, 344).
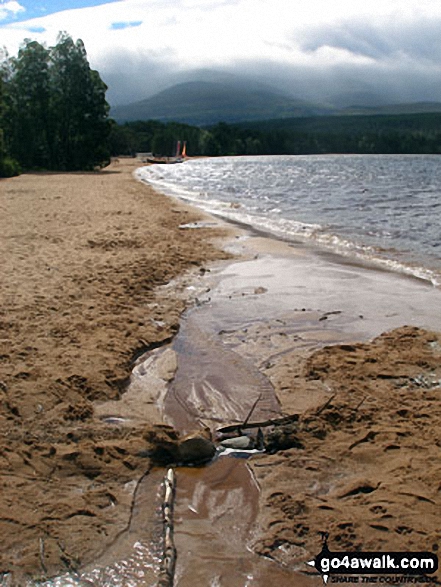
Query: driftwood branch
point(263, 424)
point(360, 404)
point(325, 405)
point(42, 556)
point(169, 554)
point(253, 407)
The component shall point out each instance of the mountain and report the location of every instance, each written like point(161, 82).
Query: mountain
point(207, 102)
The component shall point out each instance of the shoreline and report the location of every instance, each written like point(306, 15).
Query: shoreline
point(393, 258)
point(123, 246)
point(350, 457)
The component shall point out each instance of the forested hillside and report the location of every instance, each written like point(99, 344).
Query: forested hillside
point(53, 109)
point(383, 134)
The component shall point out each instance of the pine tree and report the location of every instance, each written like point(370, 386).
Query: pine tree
point(29, 106)
point(57, 114)
point(79, 111)
point(8, 166)
point(2, 109)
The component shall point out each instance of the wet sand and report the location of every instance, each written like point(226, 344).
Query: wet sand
point(87, 287)
point(355, 352)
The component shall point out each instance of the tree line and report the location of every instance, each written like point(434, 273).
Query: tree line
point(379, 134)
point(53, 109)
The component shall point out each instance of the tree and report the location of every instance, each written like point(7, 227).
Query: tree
point(29, 106)
point(2, 108)
point(57, 114)
point(8, 166)
point(79, 111)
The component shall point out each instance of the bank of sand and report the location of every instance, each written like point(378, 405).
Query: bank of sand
point(84, 259)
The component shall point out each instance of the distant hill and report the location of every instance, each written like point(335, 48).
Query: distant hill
point(232, 99)
point(202, 103)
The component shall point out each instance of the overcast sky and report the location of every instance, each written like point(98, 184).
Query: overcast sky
point(313, 48)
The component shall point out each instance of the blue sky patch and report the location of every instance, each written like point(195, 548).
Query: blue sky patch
point(36, 29)
point(38, 8)
point(125, 25)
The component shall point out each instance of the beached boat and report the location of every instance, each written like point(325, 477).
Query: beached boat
point(164, 160)
point(178, 158)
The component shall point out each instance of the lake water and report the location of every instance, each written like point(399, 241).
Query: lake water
point(384, 208)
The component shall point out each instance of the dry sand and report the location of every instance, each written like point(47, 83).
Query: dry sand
point(83, 256)
point(84, 260)
point(367, 466)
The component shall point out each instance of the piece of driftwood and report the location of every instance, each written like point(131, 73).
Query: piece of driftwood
point(325, 405)
point(237, 428)
point(167, 574)
point(253, 407)
point(42, 555)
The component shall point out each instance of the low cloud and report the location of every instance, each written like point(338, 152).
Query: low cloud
point(310, 50)
point(391, 82)
point(141, 76)
point(387, 39)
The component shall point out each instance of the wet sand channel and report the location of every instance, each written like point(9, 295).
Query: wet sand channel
point(247, 315)
point(260, 310)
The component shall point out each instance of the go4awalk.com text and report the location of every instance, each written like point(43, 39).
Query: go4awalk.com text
point(375, 567)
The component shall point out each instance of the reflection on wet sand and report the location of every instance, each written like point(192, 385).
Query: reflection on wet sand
point(215, 512)
point(213, 384)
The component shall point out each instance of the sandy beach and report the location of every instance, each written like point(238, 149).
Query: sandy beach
point(83, 256)
point(88, 285)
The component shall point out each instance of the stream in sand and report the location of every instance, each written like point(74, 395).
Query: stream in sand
point(259, 310)
point(251, 312)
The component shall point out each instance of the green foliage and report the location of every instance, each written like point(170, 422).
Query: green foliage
point(9, 167)
point(80, 124)
point(383, 134)
point(29, 95)
point(415, 133)
point(53, 110)
point(152, 136)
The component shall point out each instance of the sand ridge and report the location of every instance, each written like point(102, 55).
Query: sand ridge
point(366, 466)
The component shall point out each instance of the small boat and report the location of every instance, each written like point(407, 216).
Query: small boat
point(178, 158)
point(164, 160)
